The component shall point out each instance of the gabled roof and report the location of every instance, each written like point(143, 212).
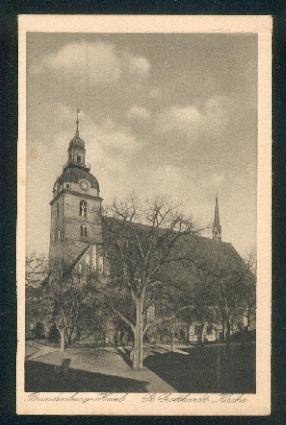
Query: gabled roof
point(201, 251)
point(204, 252)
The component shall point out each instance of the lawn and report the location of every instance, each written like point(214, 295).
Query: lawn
point(46, 377)
point(208, 369)
point(191, 369)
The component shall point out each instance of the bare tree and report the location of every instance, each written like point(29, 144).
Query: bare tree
point(221, 288)
point(203, 305)
point(250, 287)
point(67, 288)
point(227, 290)
point(140, 254)
point(60, 294)
point(36, 271)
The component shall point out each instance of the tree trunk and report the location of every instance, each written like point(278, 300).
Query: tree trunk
point(62, 339)
point(202, 336)
point(62, 333)
point(227, 353)
point(69, 337)
point(172, 340)
point(223, 332)
point(227, 332)
point(138, 337)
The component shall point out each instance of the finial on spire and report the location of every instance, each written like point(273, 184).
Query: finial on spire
point(77, 122)
point(216, 225)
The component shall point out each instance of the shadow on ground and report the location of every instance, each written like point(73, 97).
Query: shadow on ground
point(124, 353)
point(41, 377)
point(207, 369)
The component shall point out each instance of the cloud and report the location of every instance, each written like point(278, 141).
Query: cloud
point(179, 118)
point(138, 112)
point(211, 184)
point(138, 65)
point(63, 112)
point(192, 120)
point(96, 63)
point(154, 92)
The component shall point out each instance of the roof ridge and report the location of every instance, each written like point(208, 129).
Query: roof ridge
point(213, 242)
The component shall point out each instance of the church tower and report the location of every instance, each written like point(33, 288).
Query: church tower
point(76, 232)
point(216, 224)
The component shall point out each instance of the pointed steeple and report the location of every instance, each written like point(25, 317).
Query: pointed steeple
point(77, 122)
point(216, 225)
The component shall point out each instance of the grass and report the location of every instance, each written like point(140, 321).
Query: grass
point(55, 378)
point(198, 369)
point(208, 369)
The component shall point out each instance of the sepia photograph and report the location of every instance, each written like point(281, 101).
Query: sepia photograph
point(140, 217)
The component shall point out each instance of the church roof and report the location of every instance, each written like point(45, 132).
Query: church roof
point(73, 173)
point(209, 254)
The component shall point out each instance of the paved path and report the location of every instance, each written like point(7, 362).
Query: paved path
point(107, 361)
point(34, 350)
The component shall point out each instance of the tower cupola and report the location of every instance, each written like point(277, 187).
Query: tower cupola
point(76, 150)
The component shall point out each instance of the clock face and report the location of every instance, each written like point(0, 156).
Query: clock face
point(84, 185)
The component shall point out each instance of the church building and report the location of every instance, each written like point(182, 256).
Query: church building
point(77, 234)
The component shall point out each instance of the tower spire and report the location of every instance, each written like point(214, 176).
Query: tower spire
point(216, 225)
point(76, 150)
point(77, 122)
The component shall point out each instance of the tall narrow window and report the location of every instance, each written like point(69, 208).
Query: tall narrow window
point(57, 209)
point(59, 234)
point(100, 265)
point(82, 208)
point(78, 158)
point(83, 231)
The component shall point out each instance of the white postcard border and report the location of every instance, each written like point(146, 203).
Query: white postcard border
point(177, 404)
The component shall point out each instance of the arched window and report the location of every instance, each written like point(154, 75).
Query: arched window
point(83, 231)
point(57, 209)
point(82, 208)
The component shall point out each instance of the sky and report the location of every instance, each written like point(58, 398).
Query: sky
point(173, 115)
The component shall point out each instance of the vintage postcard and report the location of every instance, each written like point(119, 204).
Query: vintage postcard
point(144, 215)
